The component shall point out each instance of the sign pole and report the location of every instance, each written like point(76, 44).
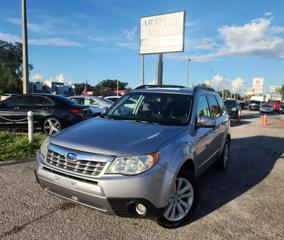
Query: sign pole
point(142, 69)
point(160, 69)
point(25, 49)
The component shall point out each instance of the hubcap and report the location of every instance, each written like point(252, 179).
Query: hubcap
point(51, 126)
point(226, 155)
point(180, 201)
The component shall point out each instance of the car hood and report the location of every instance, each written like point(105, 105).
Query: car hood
point(116, 137)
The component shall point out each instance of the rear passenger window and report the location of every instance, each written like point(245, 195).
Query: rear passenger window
point(214, 107)
point(37, 101)
point(202, 108)
point(14, 101)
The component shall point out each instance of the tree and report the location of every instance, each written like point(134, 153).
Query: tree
point(79, 88)
point(11, 67)
point(281, 92)
point(106, 87)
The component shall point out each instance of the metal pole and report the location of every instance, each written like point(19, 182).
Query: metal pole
point(142, 69)
point(25, 49)
point(116, 87)
point(187, 72)
point(160, 69)
point(30, 126)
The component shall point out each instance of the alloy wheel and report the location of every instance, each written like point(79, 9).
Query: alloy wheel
point(180, 201)
point(51, 126)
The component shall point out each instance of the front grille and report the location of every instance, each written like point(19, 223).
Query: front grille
point(90, 168)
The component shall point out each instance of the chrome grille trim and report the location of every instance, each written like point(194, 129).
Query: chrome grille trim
point(87, 164)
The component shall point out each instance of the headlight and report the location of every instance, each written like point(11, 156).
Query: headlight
point(234, 109)
point(133, 165)
point(44, 147)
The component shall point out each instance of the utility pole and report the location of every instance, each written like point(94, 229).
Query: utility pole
point(142, 69)
point(25, 49)
point(187, 72)
point(160, 69)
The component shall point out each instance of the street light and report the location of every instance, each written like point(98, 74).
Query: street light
point(187, 71)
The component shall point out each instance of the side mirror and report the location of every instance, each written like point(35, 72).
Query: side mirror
point(206, 122)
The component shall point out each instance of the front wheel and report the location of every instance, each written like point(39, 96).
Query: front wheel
point(223, 161)
point(182, 201)
point(51, 126)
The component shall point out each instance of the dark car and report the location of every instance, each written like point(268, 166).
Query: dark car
point(254, 105)
point(50, 112)
point(281, 108)
point(265, 108)
point(233, 108)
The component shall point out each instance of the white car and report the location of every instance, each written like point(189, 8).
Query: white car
point(113, 98)
point(98, 105)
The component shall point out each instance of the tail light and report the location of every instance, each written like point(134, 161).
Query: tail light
point(76, 111)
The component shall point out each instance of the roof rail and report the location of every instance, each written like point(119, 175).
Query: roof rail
point(203, 88)
point(159, 86)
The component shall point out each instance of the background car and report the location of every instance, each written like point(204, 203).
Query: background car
point(113, 98)
point(51, 112)
point(254, 105)
point(276, 105)
point(282, 108)
point(265, 108)
point(98, 105)
point(233, 108)
point(7, 95)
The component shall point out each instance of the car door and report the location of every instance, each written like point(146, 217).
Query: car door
point(203, 137)
point(11, 113)
point(219, 130)
point(39, 105)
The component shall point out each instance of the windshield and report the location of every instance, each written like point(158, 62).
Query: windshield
point(230, 103)
point(162, 108)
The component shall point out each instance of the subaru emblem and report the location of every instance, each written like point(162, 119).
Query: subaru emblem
point(71, 156)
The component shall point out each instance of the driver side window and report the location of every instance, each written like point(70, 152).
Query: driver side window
point(202, 108)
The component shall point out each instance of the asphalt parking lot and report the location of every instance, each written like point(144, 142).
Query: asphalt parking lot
point(245, 202)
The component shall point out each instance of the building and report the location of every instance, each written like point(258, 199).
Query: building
point(52, 87)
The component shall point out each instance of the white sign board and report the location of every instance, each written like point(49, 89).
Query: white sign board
point(257, 85)
point(162, 33)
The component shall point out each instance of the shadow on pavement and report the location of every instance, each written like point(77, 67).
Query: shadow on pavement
point(247, 168)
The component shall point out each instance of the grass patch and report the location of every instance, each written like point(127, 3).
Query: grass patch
point(16, 146)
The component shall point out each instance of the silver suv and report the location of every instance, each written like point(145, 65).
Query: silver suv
point(141, 158)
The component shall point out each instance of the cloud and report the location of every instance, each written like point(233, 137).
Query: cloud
point(191, 23)
point(268, 14)
point(54, 42)
point(128, 45)
point(40, 78)
point(36, 78)
point(216, 82)
point(130, 34)
point(38, 28)
point(219, 82)
point(255, 38)
point(237, 84)
point(40, 41)
point(9, 37)
point(203, 44)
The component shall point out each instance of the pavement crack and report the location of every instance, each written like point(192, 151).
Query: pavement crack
point(63, 206)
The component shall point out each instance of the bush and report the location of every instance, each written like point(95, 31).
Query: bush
point(16, 146)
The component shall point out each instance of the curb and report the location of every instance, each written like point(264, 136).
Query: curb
point(13, 162)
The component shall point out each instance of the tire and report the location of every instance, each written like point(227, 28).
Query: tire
point(223, 161)
point(184, 205)
point(51, 126)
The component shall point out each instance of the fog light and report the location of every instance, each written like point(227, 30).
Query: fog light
point(141, 209)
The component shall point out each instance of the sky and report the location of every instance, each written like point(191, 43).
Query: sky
point(229, 42)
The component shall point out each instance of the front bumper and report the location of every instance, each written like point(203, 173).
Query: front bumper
point(111, 194)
